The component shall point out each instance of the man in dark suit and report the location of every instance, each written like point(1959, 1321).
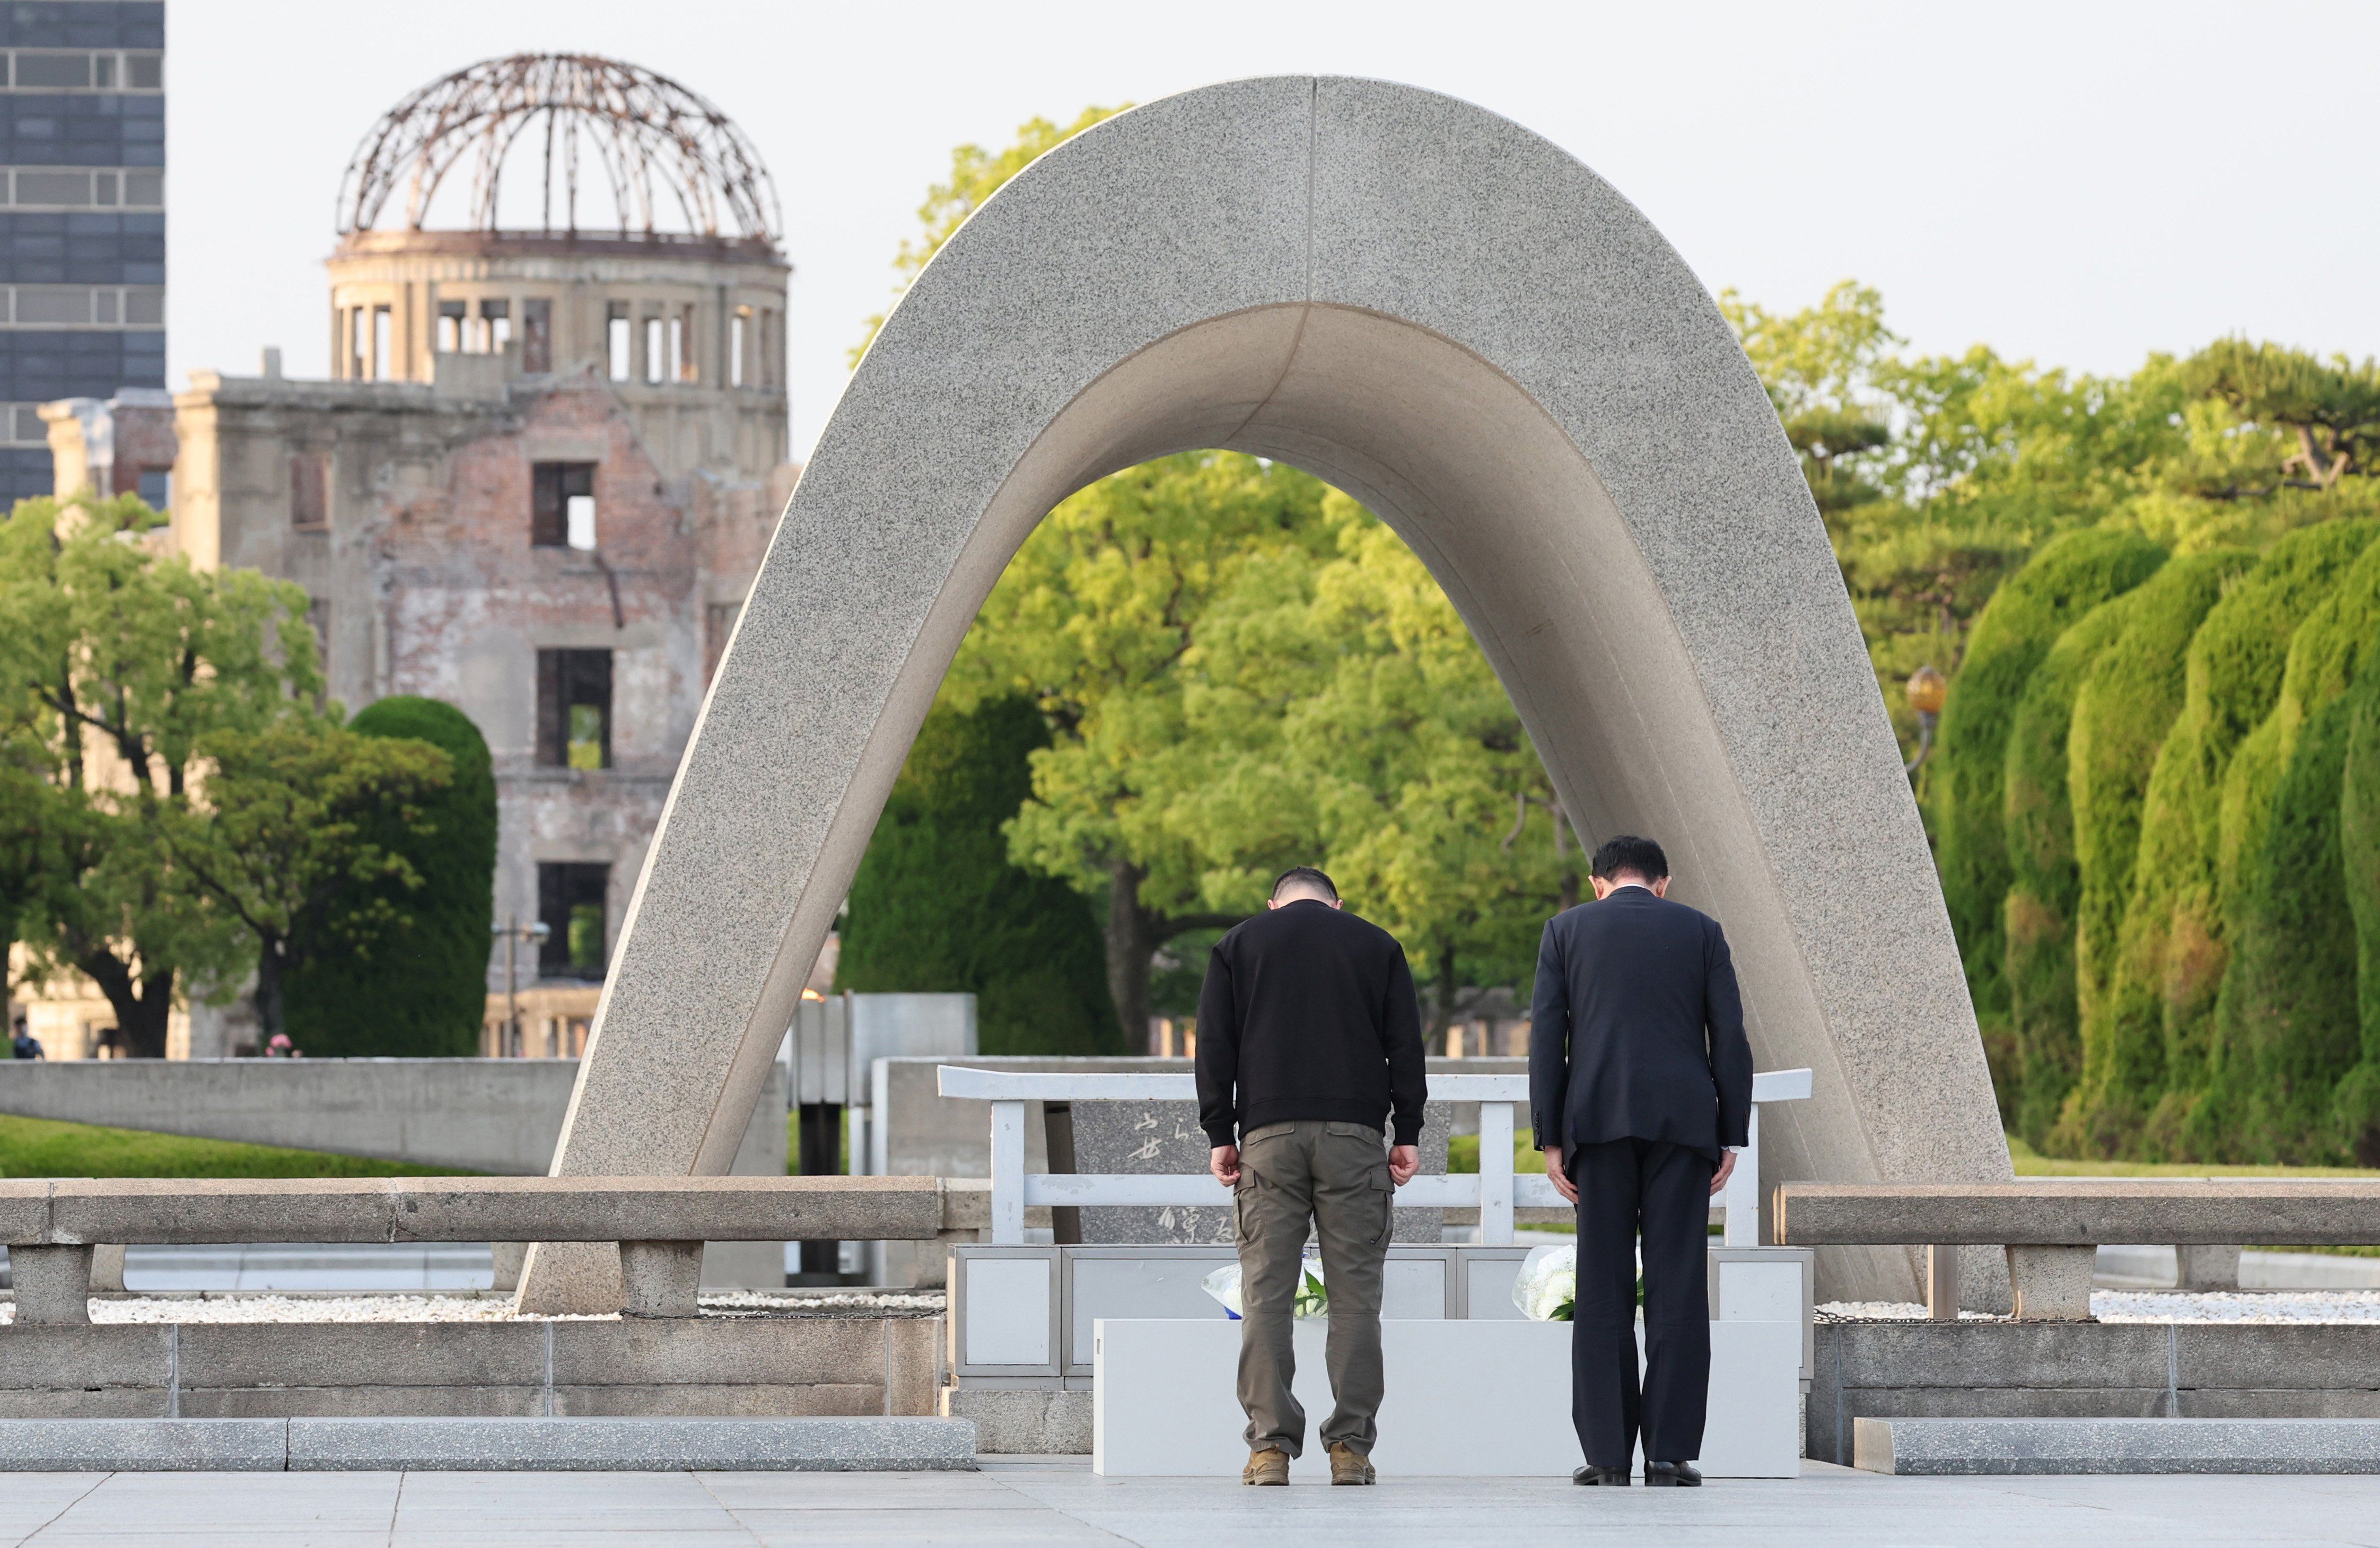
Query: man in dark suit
point(1640, 1090)
point(1309, 1045)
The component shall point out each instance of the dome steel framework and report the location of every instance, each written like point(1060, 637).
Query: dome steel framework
point(653, 142)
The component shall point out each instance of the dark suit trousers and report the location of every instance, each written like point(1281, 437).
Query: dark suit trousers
point(1662, 1192)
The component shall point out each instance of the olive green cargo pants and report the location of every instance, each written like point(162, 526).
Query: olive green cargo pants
point(1334, 1177)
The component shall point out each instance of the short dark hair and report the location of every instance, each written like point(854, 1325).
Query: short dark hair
point(1627, 852)
point(1303, 875)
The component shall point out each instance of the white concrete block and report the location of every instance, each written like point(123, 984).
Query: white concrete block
point(1465, 1398)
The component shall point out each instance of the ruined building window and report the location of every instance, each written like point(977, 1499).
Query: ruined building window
point(739, 336)
point(677, 361)
point(570, 902)
point(573, 708)
point(157, 488)
point(451, 317)
point(358, 344)
point(537, 335)
point(562, 504)
point(618, 347)
point(689, 368)
point(495, 328)
point(654, 350)
point(382, 343)
point(310, 490)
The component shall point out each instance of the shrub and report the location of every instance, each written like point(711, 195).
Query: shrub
point(2043, 883)
point(2069, 576)
point(2125, 704)
point(2171, 949)
point(2287, 1025)
point(938, 907)
point(423, 991)
point(2357, 1106)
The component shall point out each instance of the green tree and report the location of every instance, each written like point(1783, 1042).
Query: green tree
point(2322, 418)
point(116, 665)
point(938, 906)
point(1398, 748)
point(412, 977)
point(2126, 705)
point(1094, 621)
point(281, 841)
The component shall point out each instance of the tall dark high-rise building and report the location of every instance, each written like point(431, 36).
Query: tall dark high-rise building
point(82, 217)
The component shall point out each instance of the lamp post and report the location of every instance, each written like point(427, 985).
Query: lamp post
point(513, 933)
point(1927, 691)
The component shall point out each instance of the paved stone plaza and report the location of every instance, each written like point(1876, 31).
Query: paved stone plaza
point(1038, 1501)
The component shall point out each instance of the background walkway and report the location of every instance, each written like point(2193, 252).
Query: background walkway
point(1060, 1502)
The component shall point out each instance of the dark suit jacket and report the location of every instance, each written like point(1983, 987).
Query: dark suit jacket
point(1637, 1028)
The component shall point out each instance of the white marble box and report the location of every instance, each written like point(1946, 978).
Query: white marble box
point(1487, 1399)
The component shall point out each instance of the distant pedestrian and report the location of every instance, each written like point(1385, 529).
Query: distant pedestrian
point(1309, 1045)
point(25, 1045)
point(1640, 1087)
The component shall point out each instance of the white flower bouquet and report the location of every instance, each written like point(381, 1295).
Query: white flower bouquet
point(1313, 1300)
point(1547, 1287)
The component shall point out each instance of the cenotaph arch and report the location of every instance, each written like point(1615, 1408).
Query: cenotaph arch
point(1458, 323)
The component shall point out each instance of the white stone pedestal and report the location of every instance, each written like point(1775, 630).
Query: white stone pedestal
point(1465, 1398)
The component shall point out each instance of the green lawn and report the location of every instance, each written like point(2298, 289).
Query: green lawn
point(2032, 1164)
point(39, 1148)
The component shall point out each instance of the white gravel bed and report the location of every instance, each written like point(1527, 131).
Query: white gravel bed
point(264, 1307)
point(2157, 1306)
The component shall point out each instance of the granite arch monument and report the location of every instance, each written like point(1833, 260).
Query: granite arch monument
point(1459, 324)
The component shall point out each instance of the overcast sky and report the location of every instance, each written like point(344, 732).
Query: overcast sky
point(2076, 183)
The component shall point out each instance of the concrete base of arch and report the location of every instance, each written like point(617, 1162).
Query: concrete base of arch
point(1463, 327)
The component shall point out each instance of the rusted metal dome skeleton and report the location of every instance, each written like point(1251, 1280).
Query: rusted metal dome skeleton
point(675, 166)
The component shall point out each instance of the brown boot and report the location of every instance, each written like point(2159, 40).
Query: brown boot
point(1350, 1466)
point(1268, 1468)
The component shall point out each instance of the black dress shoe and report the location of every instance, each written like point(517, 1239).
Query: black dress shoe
point(1671, 1475)
point(1608, 1477)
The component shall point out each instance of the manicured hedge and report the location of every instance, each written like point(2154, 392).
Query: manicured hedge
point(2357, 1105)
point(2287, 1025)
point(2044, 884)
point(2172, 949)
point(2126, 705)
point(938, 907)
point(422, 991)
point(2069, 576)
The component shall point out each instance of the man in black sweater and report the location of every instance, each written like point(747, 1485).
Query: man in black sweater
point(1309, 1042)
point(1640, 1090)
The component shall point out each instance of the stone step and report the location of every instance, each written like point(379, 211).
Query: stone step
point(487, 1445)
point(1967, 1448)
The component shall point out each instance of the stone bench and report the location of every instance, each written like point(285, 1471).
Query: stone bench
point(51, 1225)
point(2052, 1227)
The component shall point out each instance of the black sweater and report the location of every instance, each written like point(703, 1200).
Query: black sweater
point(1308, 1012)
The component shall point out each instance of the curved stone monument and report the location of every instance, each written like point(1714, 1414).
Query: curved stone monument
point(1453, 319)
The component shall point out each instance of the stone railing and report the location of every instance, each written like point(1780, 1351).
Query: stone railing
point(1496, 1191)
point(2052, 1228)
point(51, 1225)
